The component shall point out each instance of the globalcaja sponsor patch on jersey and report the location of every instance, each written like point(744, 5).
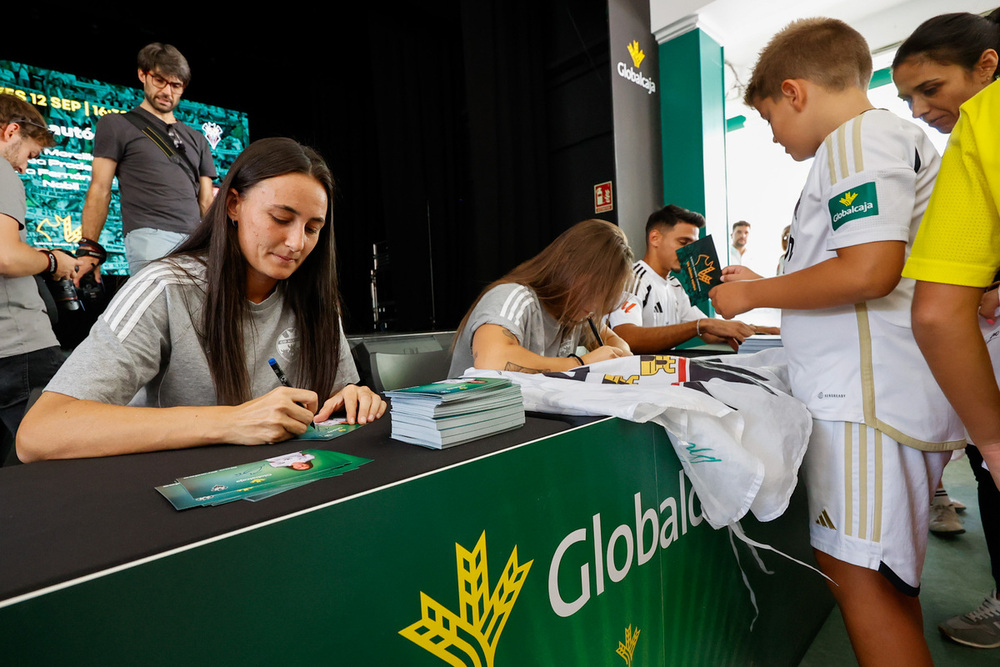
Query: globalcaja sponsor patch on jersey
point(859, 202)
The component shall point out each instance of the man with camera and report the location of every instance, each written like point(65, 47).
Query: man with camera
point(29, 351)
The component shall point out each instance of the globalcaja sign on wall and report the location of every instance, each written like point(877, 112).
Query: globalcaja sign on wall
point(56, 182)
point(633, 73)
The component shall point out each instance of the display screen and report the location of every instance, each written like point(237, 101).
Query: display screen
point(56, 182)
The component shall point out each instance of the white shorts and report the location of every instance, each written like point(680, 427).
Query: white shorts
point(869, 499)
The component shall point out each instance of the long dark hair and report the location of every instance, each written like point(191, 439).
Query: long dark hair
point(311, 291)
point(591, 258)
point(953, 39)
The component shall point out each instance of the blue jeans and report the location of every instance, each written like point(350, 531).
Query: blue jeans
point(18, 376)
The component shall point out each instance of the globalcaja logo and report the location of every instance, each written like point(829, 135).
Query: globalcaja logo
point(632, 75)
point(859, 202)
point(471, 637)
point(627, 650)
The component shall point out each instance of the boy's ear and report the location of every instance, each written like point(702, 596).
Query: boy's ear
point(794, 92)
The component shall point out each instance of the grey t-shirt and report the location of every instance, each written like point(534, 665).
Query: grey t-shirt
point(24, 322)
point(516, 308)
point(147, 339)
point(155, 192)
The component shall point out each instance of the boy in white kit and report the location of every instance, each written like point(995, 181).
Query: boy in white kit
point(882, 429)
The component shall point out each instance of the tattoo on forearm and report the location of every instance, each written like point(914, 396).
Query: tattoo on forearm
point(511, 366)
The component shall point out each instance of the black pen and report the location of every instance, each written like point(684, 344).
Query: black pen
point(273, 363)
point(590, 321)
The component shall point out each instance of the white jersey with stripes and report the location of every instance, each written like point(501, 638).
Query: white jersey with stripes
point(147, 338)
point(870, 181)
point(654, 301)
point(516, 308)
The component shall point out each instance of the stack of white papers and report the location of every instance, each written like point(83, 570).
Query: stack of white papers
point(452, 412)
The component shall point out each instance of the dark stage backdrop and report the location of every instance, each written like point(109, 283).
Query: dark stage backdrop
point(464, 135)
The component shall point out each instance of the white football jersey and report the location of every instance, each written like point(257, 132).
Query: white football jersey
point(654, 301)
point(870, 181)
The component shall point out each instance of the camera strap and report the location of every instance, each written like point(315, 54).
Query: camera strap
point(166, 144)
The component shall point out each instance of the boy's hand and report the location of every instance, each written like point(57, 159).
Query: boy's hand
point(731, 299)
point(733, 273)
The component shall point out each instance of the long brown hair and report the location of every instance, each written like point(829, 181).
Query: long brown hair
point(311, 291)
point(590, 259)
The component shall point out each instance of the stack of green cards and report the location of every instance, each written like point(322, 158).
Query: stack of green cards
point(258, 480)
point(451, 412)
point(700, 268)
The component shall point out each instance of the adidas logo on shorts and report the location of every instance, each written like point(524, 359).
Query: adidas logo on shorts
point(824, 520)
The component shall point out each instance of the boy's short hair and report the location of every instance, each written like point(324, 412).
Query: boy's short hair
point(166, 59)
point(825, 51)
point(31, 123)
point(670, 215)
point(741, 223)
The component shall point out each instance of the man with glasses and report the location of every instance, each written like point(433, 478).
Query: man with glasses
point(29, 351)
point(164, 168)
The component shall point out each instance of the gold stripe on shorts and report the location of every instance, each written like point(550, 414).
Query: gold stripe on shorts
point(862, 481)
point(877, 524)
point(848, 490)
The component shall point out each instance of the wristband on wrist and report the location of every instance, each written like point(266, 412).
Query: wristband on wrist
point(576, 357)
point(91, 248)
point(52, 261)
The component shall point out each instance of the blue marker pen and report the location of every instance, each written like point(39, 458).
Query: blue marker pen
point(282, 379)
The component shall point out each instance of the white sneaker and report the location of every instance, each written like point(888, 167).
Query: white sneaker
point(979, 628)
point(944, 520)
point(957, 504)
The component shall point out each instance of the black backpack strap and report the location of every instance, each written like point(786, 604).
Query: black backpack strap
point(166, 145)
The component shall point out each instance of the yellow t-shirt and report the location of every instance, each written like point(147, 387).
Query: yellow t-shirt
point(959, 238)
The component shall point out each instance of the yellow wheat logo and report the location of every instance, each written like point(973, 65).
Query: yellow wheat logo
point(470, 639)
point(70, 233)
point(705, 275)
point(627, 650)
point(635, 52)
point(848, 198)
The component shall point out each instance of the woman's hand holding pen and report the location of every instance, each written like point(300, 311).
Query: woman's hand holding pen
point(278, 415)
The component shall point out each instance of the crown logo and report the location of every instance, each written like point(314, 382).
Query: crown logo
point(627, 650)
point(476, 631)
point(848, 198)
point(635, 52)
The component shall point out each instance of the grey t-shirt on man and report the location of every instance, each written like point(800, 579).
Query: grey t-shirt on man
point(155, 192)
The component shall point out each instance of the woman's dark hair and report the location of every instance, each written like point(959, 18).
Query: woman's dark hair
point(953, 39)
point(311, 291)
point(590, 259)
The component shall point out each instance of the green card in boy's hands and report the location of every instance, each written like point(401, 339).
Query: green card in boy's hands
point(700, 268)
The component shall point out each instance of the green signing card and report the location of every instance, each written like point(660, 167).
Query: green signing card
point(700, 268)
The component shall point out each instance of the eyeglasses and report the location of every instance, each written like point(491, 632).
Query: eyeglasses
point(160, 82)
point(25, 121)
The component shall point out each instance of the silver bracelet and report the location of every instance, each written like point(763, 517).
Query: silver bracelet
point(697, 326)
